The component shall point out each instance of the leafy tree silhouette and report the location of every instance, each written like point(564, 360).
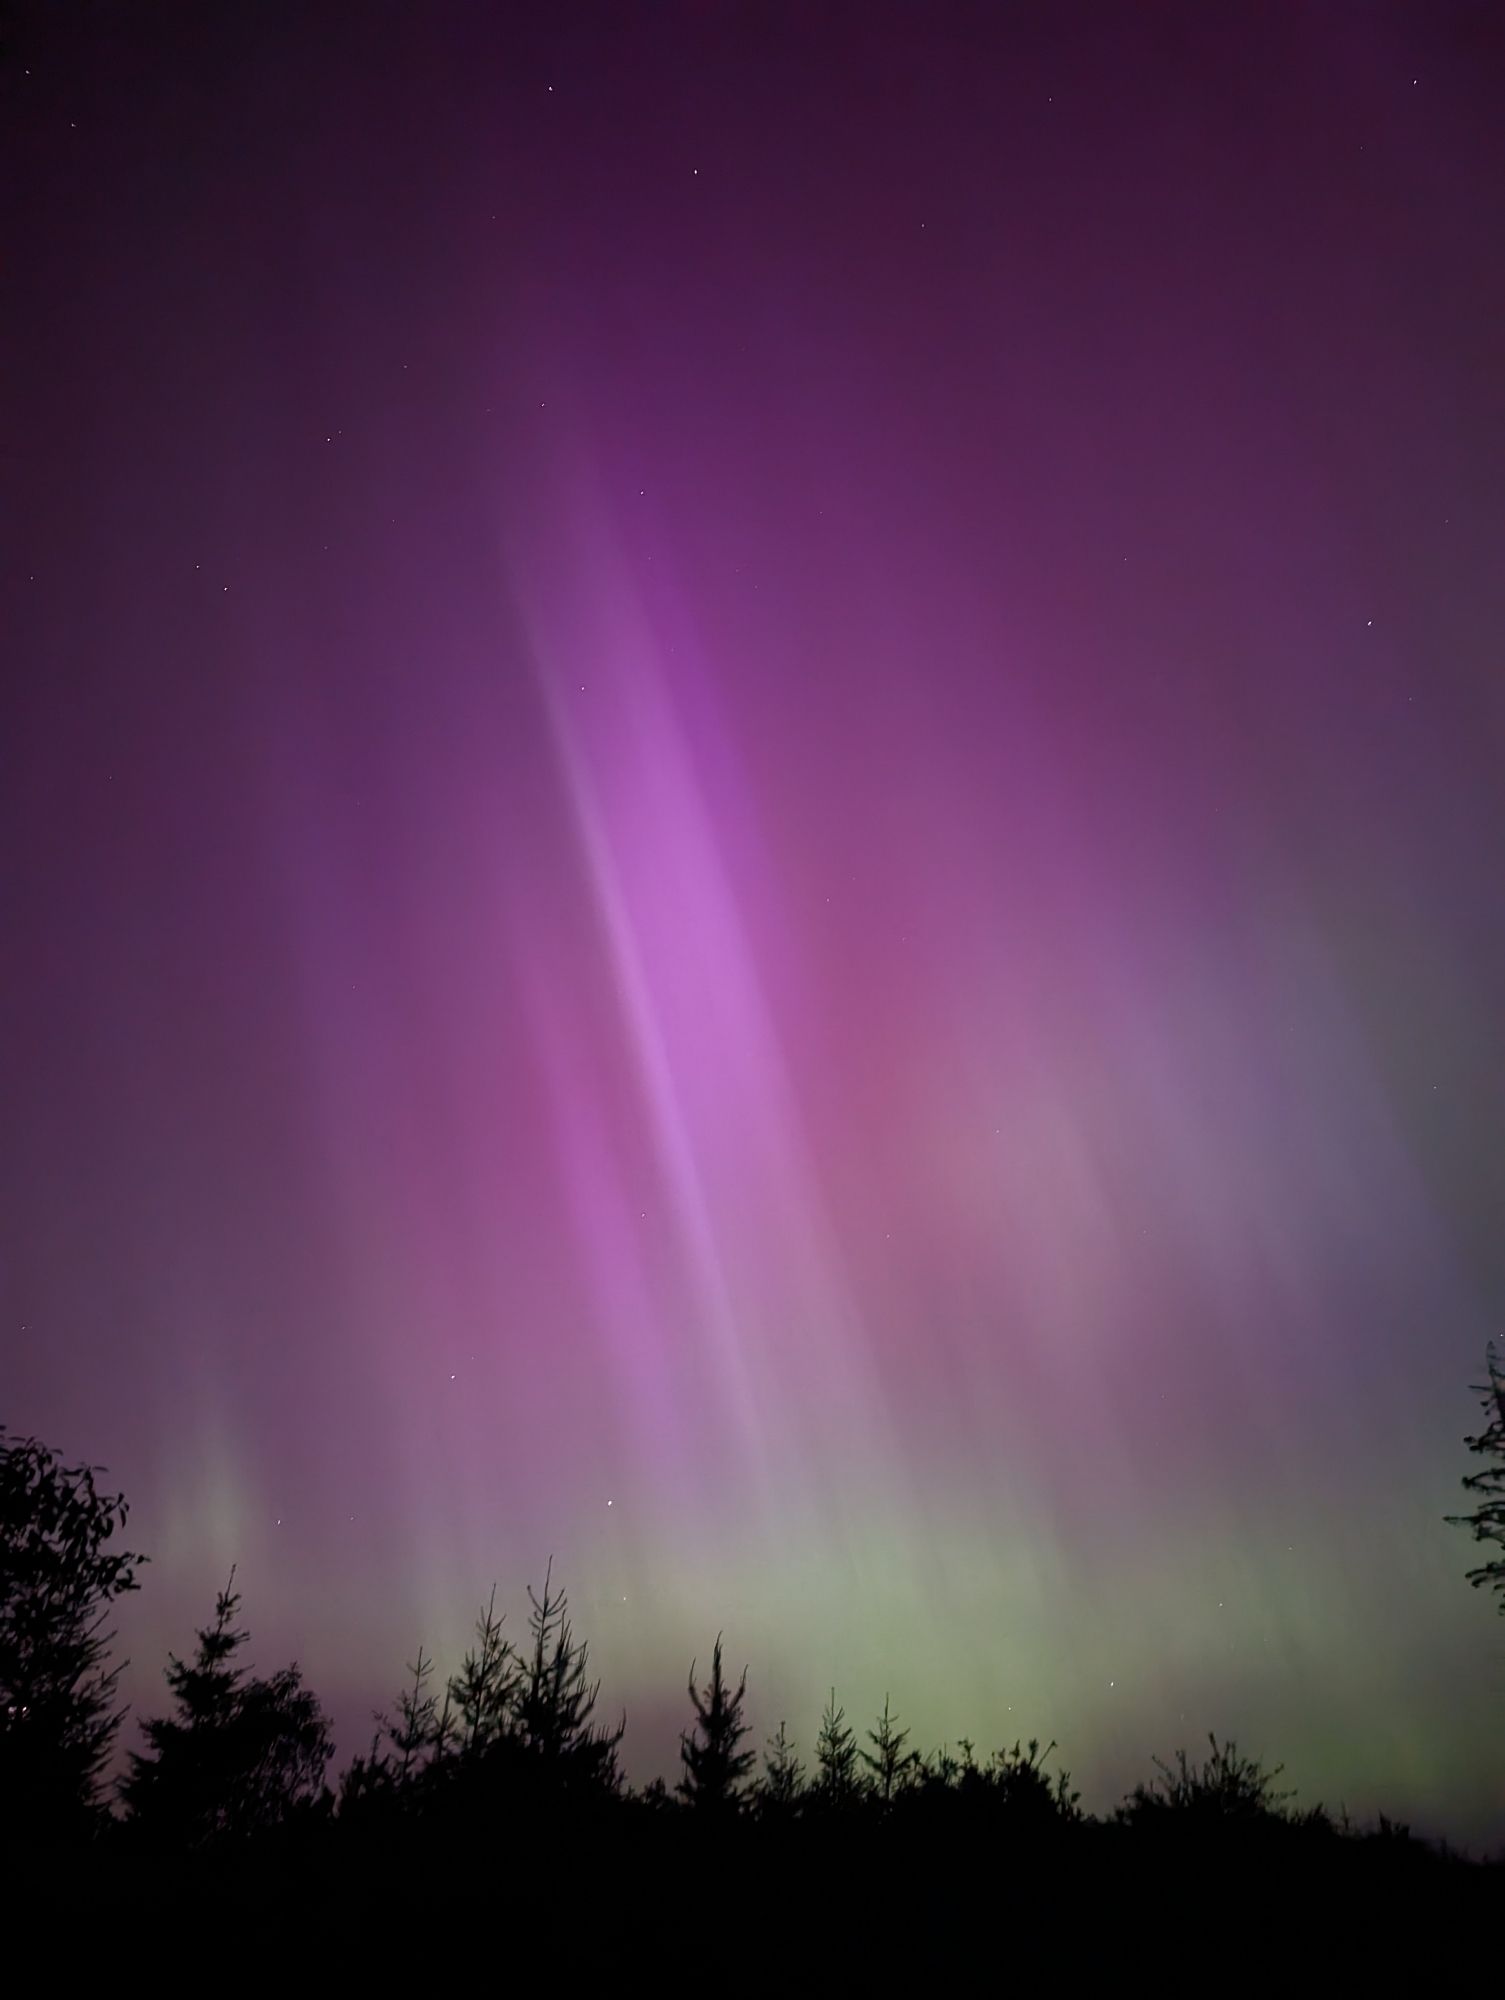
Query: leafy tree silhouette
point(714, 1764)
point(58, 1716)
point(555, 1702)
point(1487, 1521)
point(782, 1785)
point(1024, 1791)
point(838, 1782)
point(368, 1783)
point(889, 1762)
point(240, 1756)
point(946, 1770)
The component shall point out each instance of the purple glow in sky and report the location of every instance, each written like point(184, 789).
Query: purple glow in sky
point(751, 821)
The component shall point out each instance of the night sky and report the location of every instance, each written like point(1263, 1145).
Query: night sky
point(752, 829)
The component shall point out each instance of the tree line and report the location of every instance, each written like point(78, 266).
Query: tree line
point(238, 1757)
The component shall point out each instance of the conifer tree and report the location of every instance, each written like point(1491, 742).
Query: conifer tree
point(714, 1764)
point(889, 1762)
point(240, 1755)
point(837, 1779)
point(367, 1781)
point(485, 1690)
point(417, 1731)
point(782, 1784)
point(58, 1713)
point(555, 1702)
point(1486, 1522)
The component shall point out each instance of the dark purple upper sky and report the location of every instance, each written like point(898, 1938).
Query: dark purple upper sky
point(751, 828)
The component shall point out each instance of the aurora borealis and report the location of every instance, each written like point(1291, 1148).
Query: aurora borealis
point(753, 833)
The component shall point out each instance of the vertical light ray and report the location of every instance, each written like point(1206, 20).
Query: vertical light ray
point(769, 1285)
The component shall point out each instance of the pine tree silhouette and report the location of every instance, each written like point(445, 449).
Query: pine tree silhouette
point(485, 1690)
point(1487, 1521)
point(58, 1714)
point(889, 1762)
point(241, 1754)
point(838, 1782)
point(782, 1785)
point(714, 1765)
point(405, 1749)
point(555, 1702)
point(421, 1729)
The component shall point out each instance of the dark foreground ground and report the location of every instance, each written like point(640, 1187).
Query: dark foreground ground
point(668, 1905)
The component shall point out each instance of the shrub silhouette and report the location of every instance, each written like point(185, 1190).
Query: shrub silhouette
point(1026, 1793)
point(58, 1713)
point(1226, 1791)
